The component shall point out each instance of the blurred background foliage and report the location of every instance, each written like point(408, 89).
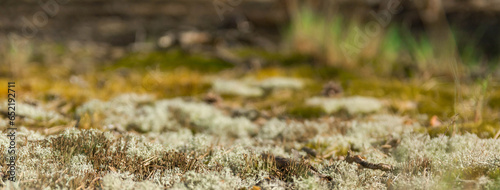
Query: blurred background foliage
point(444, 59)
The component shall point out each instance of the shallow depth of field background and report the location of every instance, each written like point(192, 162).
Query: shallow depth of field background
point(189, 94)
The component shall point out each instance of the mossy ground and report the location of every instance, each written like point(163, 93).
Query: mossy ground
point(131, 147)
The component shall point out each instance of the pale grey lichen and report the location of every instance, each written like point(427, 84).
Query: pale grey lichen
point(35, 115)
point(155, 117)
point(272, 129)
point(273, 184)
point(310, 182)
point(29, 135)
point(138, 147)
point(293, 130)
point(348, 176)
point(353, 105)
point(276, 150)
point(12, 185)
point(172, 139)
point(493, 184)
point(281, 83)
point(361, 135)
point(223, 146)
point(167, 178)
point(233, 158)
point(198, 143)
point(36, 161)
point(131, 110)
point(447, 155)
point(4, 123)
point(448, 159)
point(423, 182)
point(234, 87)
point(126, 181)
point(458, 152)
point(206, 118)
point(151, 116)
point(376, 128)
point(80, 166)
point(210, 180)
point(4, 139)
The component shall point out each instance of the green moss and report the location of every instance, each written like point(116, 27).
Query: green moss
point(485, 129)
point(182, 90)
point(171, 60)
point(494, 173)
point(436, 101)
point(494, 100)
point(317, 146)
point(323, 73)
point(342, 150)
point(324, 148)
point(305, 112)
point(472, 173)
point(439, 101)
point(468, 178)
point(251, 52)
point(275, 58)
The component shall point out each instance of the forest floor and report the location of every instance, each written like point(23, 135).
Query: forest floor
point(187, 120)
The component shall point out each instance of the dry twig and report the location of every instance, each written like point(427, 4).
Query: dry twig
point(289, 165)
point(363, 163)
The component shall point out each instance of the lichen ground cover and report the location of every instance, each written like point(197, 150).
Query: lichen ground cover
point(230, 128)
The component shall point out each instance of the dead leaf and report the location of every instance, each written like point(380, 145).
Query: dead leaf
point(434, 122)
